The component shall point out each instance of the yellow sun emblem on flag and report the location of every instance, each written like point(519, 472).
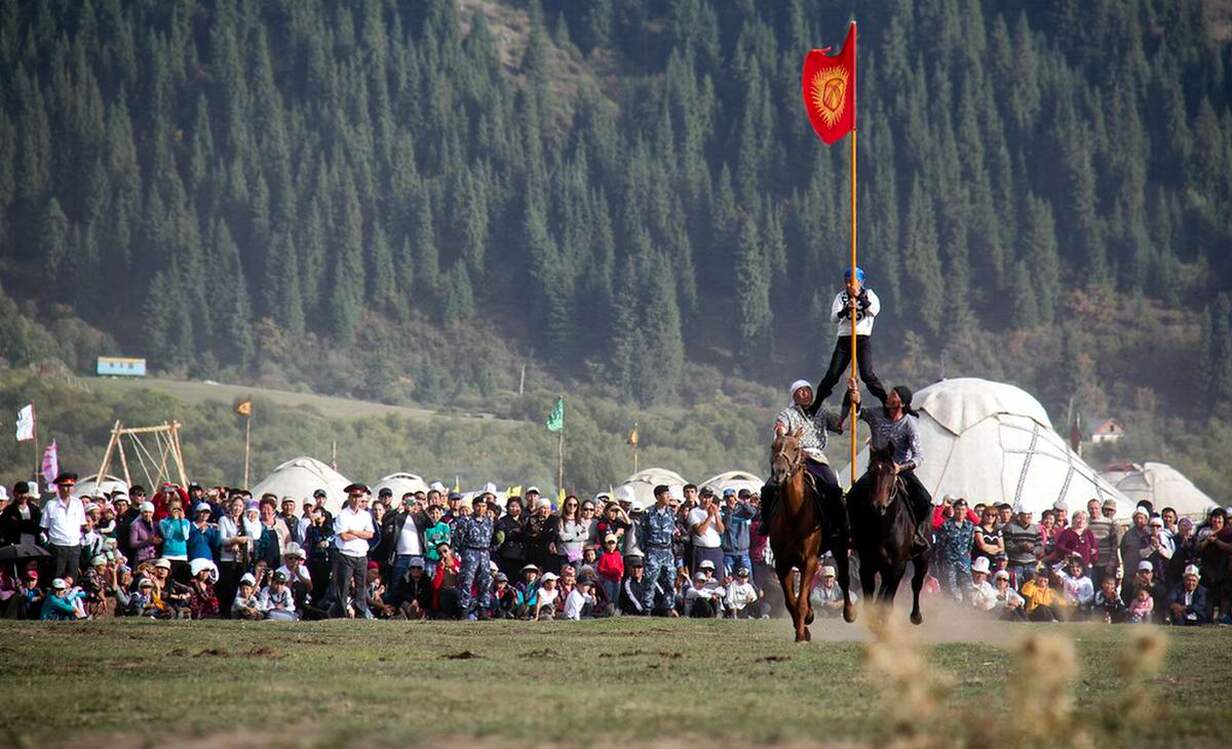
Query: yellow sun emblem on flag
point(829, 93)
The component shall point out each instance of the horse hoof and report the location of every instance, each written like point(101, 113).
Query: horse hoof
point(849, 614)
point(808, 636)
point(801, 638)
point(917, 617)
point(808, 619)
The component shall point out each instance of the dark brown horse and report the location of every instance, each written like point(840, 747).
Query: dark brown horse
point(881, 532)
point(797, 534)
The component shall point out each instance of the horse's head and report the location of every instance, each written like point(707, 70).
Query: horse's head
point(785, 456)
point(881, 468)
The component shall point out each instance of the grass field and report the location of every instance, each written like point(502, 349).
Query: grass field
point(195, 391)
point(670, 683)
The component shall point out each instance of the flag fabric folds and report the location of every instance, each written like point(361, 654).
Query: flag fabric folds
point(244, 408)
point(829, 89)
point(25, 423)
point(51, 463)
point(633, 437)
point(556, 419)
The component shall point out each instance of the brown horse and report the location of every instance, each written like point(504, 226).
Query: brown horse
point(881, 532)
point(797, 534)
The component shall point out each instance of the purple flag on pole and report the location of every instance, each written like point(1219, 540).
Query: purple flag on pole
point(51, 463)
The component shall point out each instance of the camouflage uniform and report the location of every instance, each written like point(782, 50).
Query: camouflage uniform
point(656, 535)
point(474, 537)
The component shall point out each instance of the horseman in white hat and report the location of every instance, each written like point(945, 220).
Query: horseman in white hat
point(812, 424)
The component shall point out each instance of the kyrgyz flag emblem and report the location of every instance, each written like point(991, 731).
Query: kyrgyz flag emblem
point(828, 83)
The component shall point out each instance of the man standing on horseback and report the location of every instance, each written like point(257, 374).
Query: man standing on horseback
point(866, 306)
point(895, 427)
point(801, 416)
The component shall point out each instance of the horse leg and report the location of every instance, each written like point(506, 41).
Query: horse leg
point(806, 587)
point(783, 568)
point(842, 568)
point(889, 584)
point(920, 563)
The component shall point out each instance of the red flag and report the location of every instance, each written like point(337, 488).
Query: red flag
point(829, 88)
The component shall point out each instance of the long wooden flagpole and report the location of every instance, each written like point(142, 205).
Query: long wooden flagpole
point(247, 445)
point(854, 369)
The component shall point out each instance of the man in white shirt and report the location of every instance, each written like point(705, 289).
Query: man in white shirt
point(706, 529)
point(352, 530)
point(62, 521)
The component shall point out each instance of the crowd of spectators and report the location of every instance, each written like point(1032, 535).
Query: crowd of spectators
point(200, 553)
point(1083, 565)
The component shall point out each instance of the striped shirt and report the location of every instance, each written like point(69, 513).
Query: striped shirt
point(902, 436)
point(813, 439)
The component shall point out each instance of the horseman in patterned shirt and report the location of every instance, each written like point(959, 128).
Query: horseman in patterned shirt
point(896, 426)
point(813, 423)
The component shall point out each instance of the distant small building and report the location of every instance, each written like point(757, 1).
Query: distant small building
point(1107, 430)
point(120, 366)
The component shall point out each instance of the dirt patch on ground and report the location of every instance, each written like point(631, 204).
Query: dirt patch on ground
point(252, 740)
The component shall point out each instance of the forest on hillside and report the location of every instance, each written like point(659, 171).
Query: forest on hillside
point(400, 198)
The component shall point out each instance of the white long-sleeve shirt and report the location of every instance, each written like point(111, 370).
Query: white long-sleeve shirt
point(864, 318)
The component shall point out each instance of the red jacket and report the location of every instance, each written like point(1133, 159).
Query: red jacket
point(611, 566)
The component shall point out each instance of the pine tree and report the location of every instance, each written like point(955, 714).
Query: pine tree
point(1024, 312)
point(660, 365)
point(458, 302)
point(1039, 251)
point(753, 317)
point(53, 231)
point(923, 281)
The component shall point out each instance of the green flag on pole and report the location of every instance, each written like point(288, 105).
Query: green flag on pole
point(556, 419)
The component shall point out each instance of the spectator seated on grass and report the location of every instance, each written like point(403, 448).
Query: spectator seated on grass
point(277, 601)
point(247, 604)
point(743, 600)
point(1108, 604)
point(827, 596)
point(57, 605)
point(702, 601)
point(1077, 588)
point(1044, 604)
point(547, 598)
point(202, 600)
point(1187, 603)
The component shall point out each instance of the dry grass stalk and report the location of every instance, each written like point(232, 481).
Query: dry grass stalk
point(911, 691)
point(1137, 664)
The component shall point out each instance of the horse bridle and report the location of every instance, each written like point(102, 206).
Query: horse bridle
point(793, 465)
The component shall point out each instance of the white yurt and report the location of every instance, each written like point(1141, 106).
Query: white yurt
point(302, 476)
point(399, 484)
point(734, 480)
point(640, 486)
point(993, 442)
point(90, 486)
point(1161, 485)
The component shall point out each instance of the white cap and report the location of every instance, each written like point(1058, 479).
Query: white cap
point(980, 565)
point(1060, 505)
point(199, 564)
point(437, 486)
point(624, 493)
point(294, 550)
point(827, 571)
point(248, 578)
point(59, 583)
point(550, 576)
point(1145, 566)
point(1019, 507)
point(489, 488)
point(706, 565)
point(637, 505)
point(1191, 569)
point(4, 494)
point(1001, 575)
point(163, 563)
point(534, 489)
point(147, 507)
point(1157, 521)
